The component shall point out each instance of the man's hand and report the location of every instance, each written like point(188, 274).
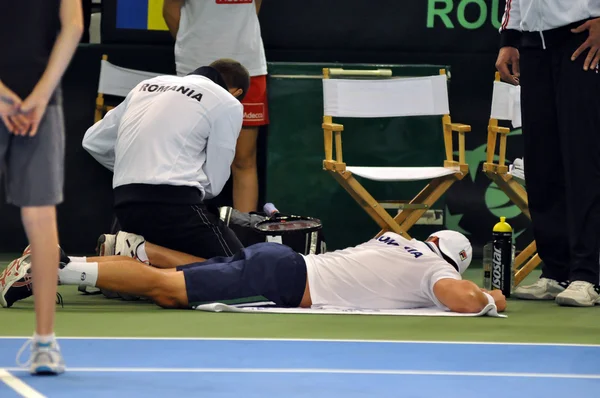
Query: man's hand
point(509, 56)
point(592, 43)
point(33, 108)
point(499, 299)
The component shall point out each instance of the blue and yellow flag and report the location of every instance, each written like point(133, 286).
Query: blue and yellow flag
point(140, 14)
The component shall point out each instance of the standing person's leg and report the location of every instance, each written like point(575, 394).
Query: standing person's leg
point(35, 182)
point(578, 103)
point(544, 173)
point(244, 167)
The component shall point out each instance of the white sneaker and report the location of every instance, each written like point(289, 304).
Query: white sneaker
point(106, 245)
point(579, 294)
point(543, 289)
point(45, 359)
point(127, 244)
point(15, 281)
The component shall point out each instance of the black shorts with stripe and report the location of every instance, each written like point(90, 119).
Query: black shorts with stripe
point(191, 229)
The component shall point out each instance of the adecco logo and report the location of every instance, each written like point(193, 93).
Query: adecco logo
point(447, 11)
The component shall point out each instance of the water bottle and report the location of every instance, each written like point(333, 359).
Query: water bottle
point(502, 258)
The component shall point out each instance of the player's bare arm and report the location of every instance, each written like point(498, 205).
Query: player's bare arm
point(172, 15)
point(71, 20)
point(258, 3)
point(464, 296)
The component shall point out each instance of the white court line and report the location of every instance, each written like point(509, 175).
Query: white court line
point(18, 385)
point(313, 340)
point(336, 371)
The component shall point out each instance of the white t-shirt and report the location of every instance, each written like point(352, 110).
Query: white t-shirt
point(385, 273)
point(213, 29)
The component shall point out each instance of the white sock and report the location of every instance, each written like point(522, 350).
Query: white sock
point(78, 259)
point(44, 338)
point(141, 253)
point(79, 274)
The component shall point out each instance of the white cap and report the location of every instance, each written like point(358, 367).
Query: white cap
point(456, 247)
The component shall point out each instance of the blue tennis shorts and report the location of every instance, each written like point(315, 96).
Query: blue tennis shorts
point(271, 270)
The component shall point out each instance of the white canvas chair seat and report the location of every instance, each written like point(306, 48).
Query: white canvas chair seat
point(382, 98)
point(506, 106)
point(118, 81)
point(401, 173)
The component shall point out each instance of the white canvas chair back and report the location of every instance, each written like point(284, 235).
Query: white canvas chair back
point(506, 103)
point(359, 98)
point(118, 81)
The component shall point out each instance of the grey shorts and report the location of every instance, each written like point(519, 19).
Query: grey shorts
point(33, 167)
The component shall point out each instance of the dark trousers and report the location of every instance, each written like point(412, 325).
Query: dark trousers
point(190, 229)
point(561, 129)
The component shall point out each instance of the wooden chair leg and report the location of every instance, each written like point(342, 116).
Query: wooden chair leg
point(525, 255)
point(526, 269)
point(369, 204)
point(428, 196)
point(515, 192)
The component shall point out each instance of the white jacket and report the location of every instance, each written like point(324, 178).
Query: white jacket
point(541, 15)
point(170, 130)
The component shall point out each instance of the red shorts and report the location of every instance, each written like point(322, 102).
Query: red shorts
point(256, 110)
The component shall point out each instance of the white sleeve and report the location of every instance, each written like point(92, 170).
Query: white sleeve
point(512, 16)
point(220, 148)
point(444, 272)
point(100, 139)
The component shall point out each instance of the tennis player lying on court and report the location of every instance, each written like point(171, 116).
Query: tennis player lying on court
point(389, 272)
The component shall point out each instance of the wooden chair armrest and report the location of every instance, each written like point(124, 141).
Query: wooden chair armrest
point(500, 130)
point(333, 127)
point(460, 128)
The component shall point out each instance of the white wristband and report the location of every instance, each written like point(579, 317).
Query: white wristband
point(490, 298)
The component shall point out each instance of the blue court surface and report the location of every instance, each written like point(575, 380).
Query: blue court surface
point(113, 367)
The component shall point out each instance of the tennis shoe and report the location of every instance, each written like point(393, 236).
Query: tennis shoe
point(542, 289)
point(45, 358)
point(579, 294)
point(15, 281)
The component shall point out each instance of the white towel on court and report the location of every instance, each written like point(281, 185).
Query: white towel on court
point(270, 308)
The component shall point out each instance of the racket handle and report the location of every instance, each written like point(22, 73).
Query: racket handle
point(270, 209)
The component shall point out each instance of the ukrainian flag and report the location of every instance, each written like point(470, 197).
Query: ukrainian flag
point(140, 14)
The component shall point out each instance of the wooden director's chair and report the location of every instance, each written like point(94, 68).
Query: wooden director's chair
point(116, 81)
point(374, 93)
point(506, 105)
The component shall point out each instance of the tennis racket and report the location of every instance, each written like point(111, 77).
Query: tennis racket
point(281, 224)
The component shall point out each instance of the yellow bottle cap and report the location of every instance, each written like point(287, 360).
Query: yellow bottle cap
point(502, 226)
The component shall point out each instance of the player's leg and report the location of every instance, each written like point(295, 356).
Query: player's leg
point(244, 168)
point(244, 171)
point(270, 270)
point(35, 184)
point(126, 275)
point(138, 248)
point(185, 228)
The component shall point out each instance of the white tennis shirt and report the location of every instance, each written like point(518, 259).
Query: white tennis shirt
point(213, 29)
point(390, 272)
point(170, 130)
